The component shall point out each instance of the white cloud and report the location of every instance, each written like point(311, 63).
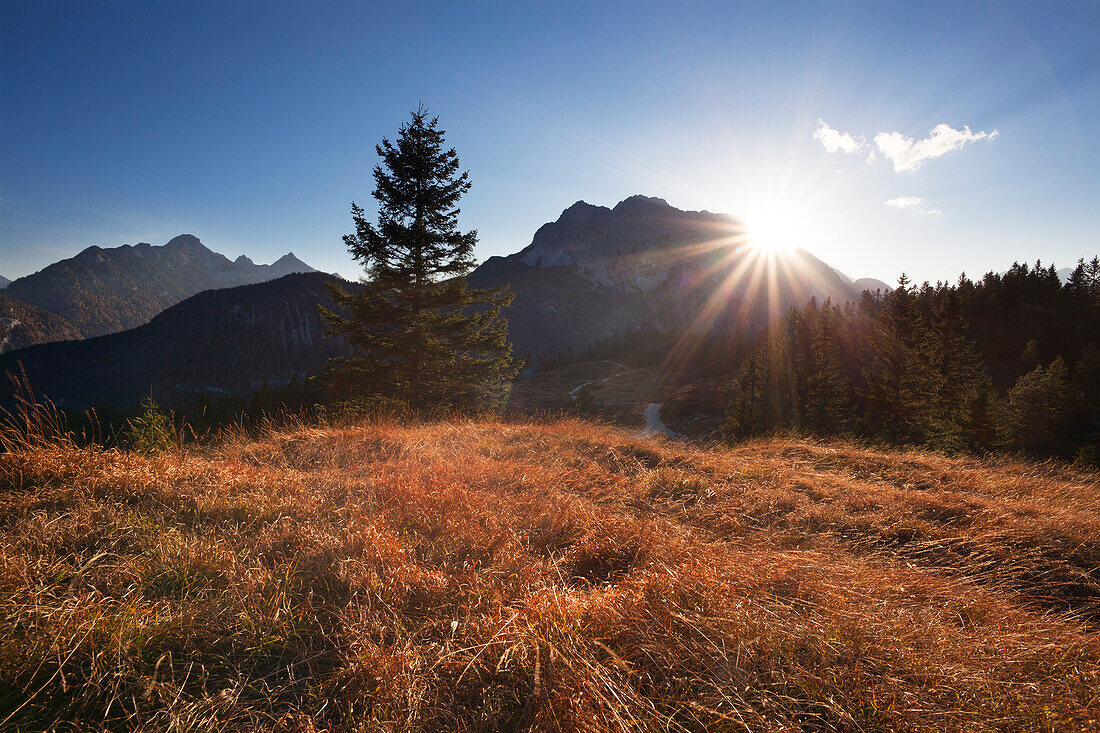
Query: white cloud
point(914, 204)
point(905, 202)
point(907, 154)
point(834, 140)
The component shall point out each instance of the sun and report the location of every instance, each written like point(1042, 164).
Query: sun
point(775, 229)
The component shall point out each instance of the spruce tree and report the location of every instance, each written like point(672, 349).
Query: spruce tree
point(832, 378)
point(744, 416)
point(1034, 410)
point(418, 335)
point(958, 387)
point(896, 373)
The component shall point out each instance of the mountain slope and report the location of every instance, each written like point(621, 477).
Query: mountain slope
point(22, 324)
point(870, 283)
point(101, 291)
point(646, 266)
point(222, 340)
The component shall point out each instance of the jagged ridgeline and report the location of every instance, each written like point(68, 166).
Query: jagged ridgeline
point(102, 291)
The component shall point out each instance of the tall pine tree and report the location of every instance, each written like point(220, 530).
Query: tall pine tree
point(417, 334)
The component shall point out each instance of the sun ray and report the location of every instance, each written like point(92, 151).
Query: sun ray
point(758, 272)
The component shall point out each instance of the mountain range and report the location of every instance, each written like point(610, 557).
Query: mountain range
point(102, 291)
point(596, 273)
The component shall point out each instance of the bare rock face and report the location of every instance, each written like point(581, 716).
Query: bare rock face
point(634, 245)
point(597, 273)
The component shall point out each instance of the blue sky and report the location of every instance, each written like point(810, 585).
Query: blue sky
point(252, 124)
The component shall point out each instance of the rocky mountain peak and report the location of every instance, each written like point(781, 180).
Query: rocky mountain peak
point(185, 242)
point(582, 212)
point(642, 204)
point(645, 265)
point(629, 246)
point(290, 259)
point(287, 264)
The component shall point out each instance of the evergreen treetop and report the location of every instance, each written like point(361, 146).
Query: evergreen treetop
point(418, 335)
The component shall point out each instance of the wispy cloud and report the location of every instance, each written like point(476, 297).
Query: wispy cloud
point(907, 154)
point(905, 202)
point(914, 204)
point(835, 140)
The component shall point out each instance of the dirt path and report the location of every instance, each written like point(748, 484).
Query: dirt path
point(573, 392)
point(651, 414)
point(653, 424)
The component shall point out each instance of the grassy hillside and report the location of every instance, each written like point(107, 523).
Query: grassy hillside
point(557, 576)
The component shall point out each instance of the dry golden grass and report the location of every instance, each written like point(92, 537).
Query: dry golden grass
point(554, 575)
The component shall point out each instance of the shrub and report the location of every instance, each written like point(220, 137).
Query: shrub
point(152, 431)
point(1086, 458)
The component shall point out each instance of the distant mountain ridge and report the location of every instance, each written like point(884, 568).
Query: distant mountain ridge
point(597, 272)
point(106, 290)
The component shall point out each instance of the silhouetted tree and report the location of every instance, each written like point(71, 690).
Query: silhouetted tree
point(826, 394)
point(745, 416)
point(418, 335)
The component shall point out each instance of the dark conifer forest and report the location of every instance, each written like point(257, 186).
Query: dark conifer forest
point(1011, 361)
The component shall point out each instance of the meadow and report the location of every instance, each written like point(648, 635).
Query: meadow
point(552, 574)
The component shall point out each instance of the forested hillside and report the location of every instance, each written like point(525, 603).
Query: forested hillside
point(219, 341)
point(1008, 361)
point(22, 324)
